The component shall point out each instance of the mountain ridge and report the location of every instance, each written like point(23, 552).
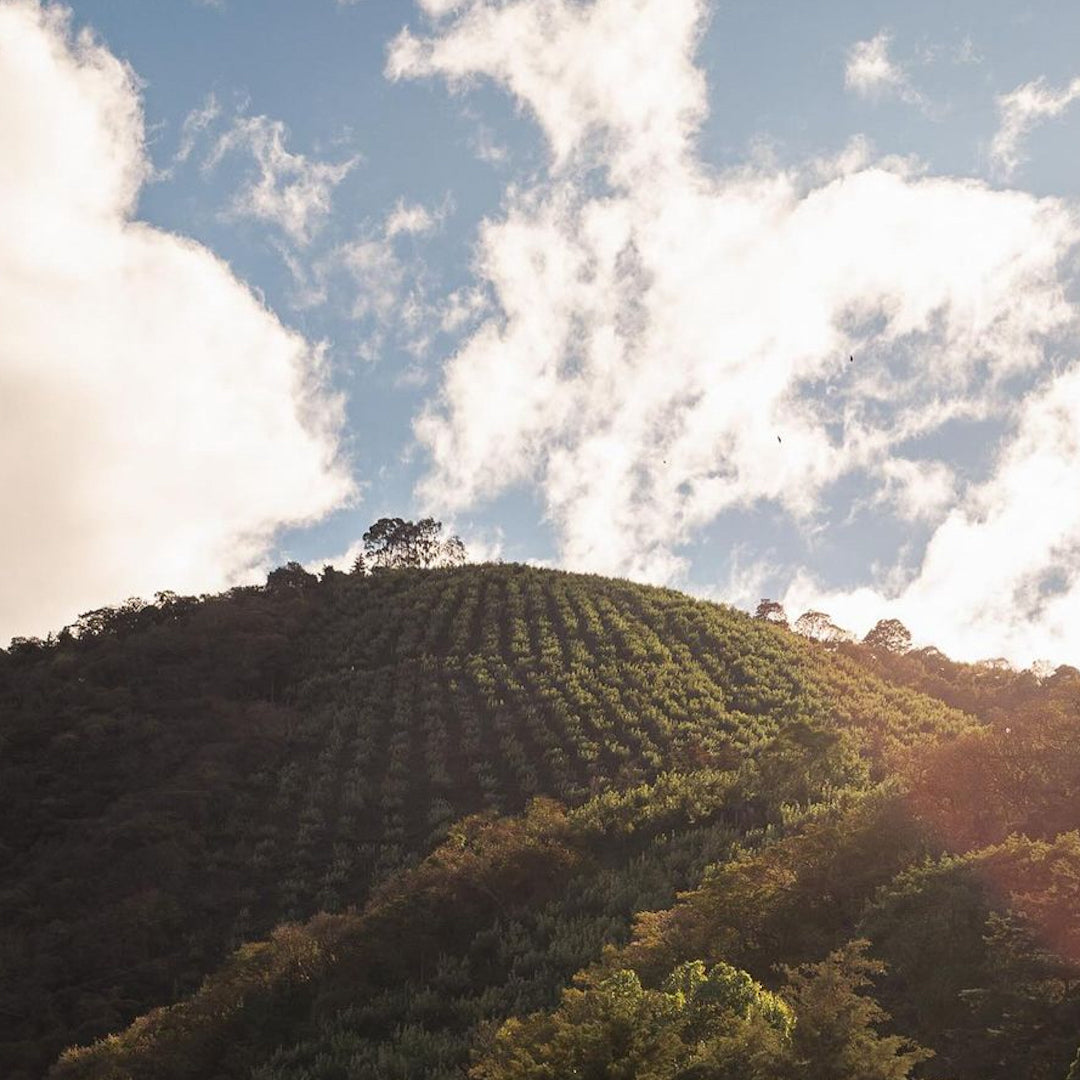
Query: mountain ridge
point(371, 713)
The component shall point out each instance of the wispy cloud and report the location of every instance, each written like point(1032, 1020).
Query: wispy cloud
point(381, 281)
point(1022, 110)
point(872, 73)
point(195, 125)
point(967, 52)
point(1000, 575)
point(161, 431)
point(414, 219)
point(670, 345)
point(916, 490)
point(285, 189)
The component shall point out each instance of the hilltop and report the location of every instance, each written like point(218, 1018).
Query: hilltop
point(299, 764)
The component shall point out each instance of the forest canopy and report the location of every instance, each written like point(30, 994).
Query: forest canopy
point(426, 820)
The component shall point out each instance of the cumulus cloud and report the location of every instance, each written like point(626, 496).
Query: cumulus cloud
point(1020, 112)
point(1001, 574)
point(159, 424)
point(285, 189)
point(585, 70)
point(917, 490)
point(872, 73)
point(669, 345)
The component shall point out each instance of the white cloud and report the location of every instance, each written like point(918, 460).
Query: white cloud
point(558, 57)
point(377, 272)
point(1001, 574)
point(386, 282)
point(414, 219)
point(747, 581)
point(460, 308)
point(195, 124)
point(481, 546)
point(673, 345)
point(286, 189)
point(485, 146)
point(1020, 112)
point(872, 73)
point(157, 423)
point(917, 490)
point(869, 69)
point(344, 562)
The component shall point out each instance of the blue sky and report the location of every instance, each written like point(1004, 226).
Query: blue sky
point(580, 278)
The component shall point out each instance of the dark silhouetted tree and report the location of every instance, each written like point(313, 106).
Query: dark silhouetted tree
point(393, 543)
point(291, 576)
point(26, 646)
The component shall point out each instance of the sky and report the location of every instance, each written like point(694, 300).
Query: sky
point(747, 299)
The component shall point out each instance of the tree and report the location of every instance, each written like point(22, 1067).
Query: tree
point(331, 575)
point(889, 634)
point(26, 646)
point(716, 1024)
point(1029, 1009)
point(290, 577)
point(453, 552)
point(119, 620)
point(819, 627)
point(805, 760)
point(385, 543)
point(394, 543)
point(836, 1036)
point(771, 611)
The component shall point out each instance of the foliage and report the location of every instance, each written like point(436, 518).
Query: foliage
point(818, 626)
point(717, 1023)
point(984, 955)
point(788, 901)
point(186, 785)
point(392, 543)
point(836, 1036)
point(771, 611)
point(290, 576)
point(1016, 776)
point(889, 634)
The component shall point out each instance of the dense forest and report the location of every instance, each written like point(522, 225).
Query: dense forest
point(502, 822)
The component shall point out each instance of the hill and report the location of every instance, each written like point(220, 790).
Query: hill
point(183, 778)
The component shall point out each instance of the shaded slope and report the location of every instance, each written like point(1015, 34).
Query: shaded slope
point(184, 777)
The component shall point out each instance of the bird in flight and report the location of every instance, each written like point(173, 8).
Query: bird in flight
point(778, 439)
point(851, 359)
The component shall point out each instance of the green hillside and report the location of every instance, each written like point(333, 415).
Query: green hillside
point(186, 777)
